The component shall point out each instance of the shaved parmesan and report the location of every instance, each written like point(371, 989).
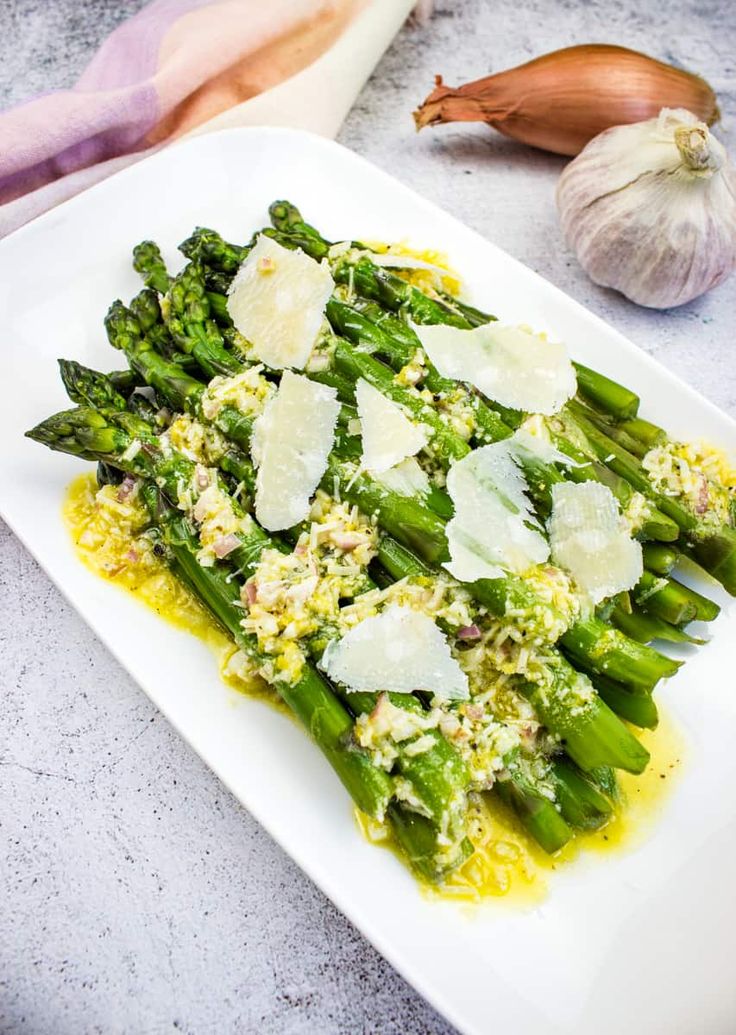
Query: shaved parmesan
point(406, 478)
point(404, 262)
point(508, 364)
point(525, 444)
point(292, 440)
point(589, 539)
point(400, 650)
point(494, 528)
point(388, 435)
point(277, 301)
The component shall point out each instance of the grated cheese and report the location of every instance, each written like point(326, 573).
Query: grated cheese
point(201, 443)
point(389, 727)
point(248, 392)
point(698, 475)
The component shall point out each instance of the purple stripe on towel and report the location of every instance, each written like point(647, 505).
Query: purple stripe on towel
point(130, 54)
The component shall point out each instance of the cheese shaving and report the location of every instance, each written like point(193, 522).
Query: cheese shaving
point(490, 532)
point(388, 435)
point(292, 440)
point(510, 365)
point(400, 650)
point(277, 302)
point(407, 478)
point(589, 539)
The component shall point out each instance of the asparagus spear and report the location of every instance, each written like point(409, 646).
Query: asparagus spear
point(418, 528)
point(433, 773)
point(638, 709)
point(90, 435)
point(660, 558)
point(644, 627)
point(148, 261)
point(369, 331)
point(668, 599)
point(207, 247)
point(536, 812)
point(181, 390)
point(192, 327)
point(582, 803)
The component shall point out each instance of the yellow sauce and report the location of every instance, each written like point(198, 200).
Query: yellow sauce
point(509, 866)
point(425, 280)
point(506, 863)
point(108, 541)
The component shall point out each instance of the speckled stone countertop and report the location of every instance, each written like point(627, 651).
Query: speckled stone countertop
point(137, 896)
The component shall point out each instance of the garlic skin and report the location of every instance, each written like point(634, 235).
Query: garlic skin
point(650, 209)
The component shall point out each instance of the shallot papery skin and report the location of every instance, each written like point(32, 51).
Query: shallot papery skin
point(562, 100)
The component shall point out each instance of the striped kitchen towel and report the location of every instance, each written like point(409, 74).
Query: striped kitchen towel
point(180, 66)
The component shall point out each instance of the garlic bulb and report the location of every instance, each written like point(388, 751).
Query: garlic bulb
point(650, 209)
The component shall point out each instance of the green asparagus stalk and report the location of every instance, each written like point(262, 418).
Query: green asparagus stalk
point(660, 558)
point(634, 435)
point(672, 601)
point(207, 247)
point(536, 812)
point(180, 390)
point(648, 435)
point(191, 326)
point(638, 709)
point(90, 435)
point(582, 804)
point(716, 553)
point(644, 627)
point(606, 394)
point(417, 838)
point(148, 261)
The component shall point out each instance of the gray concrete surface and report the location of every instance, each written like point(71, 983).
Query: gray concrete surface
point(136, 895)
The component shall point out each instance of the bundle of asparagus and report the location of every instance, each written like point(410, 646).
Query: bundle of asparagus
point(428, 659)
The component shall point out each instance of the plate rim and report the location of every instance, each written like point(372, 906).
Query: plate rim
point(320, 876)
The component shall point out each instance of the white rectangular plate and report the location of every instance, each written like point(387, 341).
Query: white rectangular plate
point(641, 942)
